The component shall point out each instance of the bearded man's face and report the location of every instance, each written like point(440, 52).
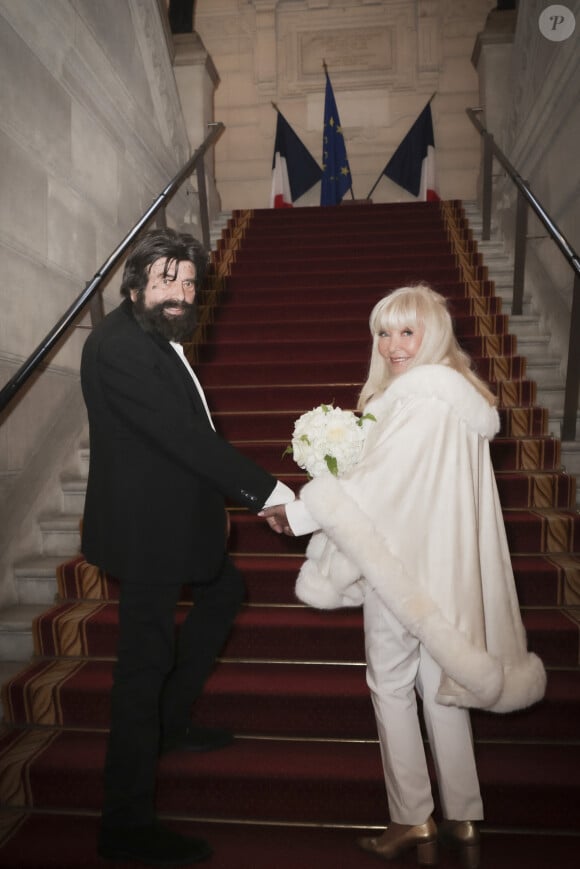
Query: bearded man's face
point(166, 305)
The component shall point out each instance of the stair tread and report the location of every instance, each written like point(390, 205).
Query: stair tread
point(304, 771)
point(65, 840)
point(20, 615)
point(42, 565)
point(329, 701)
point(290, 633)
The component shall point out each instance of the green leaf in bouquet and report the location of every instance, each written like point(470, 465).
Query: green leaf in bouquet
point(366, 416)
point(332, 465)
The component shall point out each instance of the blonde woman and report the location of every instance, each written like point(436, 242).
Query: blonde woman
point(415, 535)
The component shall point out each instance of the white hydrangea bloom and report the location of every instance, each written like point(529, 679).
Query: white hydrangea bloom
point(327, 439)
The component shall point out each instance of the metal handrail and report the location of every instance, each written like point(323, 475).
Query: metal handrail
point(527, 198)
point(196, 163)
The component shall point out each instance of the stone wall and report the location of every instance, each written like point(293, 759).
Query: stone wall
point(91, 131)
point(385, 59)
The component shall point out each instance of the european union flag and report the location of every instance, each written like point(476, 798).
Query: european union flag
point(336, 178)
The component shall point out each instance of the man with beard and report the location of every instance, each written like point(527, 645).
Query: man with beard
point(155, 519)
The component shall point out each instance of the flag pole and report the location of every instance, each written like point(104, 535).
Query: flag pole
point(371, 191)
point(428, 103)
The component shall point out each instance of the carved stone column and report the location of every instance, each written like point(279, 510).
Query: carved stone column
point(265, 55)
point(492, 58)
point(197, 80)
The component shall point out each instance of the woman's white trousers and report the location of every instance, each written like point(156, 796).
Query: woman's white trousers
point(397, 664)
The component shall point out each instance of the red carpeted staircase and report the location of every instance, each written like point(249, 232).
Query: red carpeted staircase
point(285, 328)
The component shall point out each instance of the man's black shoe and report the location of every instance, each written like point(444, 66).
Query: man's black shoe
point(152, 844)
point(197, 739)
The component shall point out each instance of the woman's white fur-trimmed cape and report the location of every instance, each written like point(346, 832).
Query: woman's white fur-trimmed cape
point(352, 551)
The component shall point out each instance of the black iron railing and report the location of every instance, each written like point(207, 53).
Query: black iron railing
point(525, 200)
point(90, 294)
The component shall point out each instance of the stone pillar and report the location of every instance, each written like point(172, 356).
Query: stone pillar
point(265, 58)
point(197, 80)
point(491, 58)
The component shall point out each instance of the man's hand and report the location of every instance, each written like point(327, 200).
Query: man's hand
point(277, 519)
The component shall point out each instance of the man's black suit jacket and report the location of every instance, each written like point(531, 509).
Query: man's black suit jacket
point(158, 474)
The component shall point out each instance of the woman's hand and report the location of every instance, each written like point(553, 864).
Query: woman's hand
point(277, 519)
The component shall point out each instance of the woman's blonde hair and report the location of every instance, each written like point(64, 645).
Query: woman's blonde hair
point(417, 306)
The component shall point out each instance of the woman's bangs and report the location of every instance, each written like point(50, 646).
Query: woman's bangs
point(402, 312)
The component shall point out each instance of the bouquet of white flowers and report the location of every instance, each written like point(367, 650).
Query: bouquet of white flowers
point(327, 438)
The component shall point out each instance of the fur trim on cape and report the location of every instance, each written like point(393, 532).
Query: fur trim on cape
point(442, 382)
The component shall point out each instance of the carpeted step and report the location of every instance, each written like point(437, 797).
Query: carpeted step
point(284, 350)
point(305, 222)
point(349, 260)
point(541, 580)
point(497, 367)
point(326, 701)
point(545, 580)
point(536, 490)
point(339, 330)
point(287, 372)
point(85, 628)
point(260, 234)
point(394, 214)
point(68, 842)
point(287, 369)
point(325, 339)
point(290, 397)
point(544, 490)
point(264, 307)
point(252, 423)
point(522, 421)
point(269, 579)
point(528, 531)
point(331, 279)
point(508, 454)
point(315, 782)
point(298, 241)
point(336, 245)
point(284, 232)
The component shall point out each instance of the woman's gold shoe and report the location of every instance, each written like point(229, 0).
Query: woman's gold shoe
point(462, 836)
point(398, 838)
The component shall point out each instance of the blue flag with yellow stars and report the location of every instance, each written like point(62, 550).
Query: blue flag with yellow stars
point(336, 178)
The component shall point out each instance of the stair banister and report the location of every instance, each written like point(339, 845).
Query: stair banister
point(89, 294)
point(526, 198)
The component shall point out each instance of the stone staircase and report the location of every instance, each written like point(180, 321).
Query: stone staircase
point(542, 364)
point(35, 575)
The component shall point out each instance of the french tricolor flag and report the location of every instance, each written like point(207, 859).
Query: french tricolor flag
point(412, 166)
point(294, 169)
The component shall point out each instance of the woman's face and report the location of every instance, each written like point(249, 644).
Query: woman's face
point(400, 346)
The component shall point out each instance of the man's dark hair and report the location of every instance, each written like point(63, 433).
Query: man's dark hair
point(167, 244)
